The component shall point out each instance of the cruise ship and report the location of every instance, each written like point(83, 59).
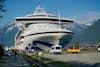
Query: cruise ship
point(42, 30)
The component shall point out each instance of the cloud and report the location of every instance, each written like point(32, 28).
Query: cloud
point(87, 17)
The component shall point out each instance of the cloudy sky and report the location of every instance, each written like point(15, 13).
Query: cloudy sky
point(82, 11)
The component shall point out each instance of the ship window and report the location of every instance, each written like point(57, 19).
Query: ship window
point(22, 37)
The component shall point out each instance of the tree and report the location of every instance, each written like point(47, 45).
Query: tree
point(2, 8)
point(1, 50)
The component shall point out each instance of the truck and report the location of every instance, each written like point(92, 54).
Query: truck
point(73, 49)
point(56, 49)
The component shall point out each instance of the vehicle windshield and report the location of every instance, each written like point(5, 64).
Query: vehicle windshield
point(58, 48)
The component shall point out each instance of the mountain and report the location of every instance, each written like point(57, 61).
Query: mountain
point(7, 34)
point(77, 28)
point(0, 27)
point(92, 34)
point(86, 34)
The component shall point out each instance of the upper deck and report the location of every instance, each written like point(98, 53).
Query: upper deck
point(40, 16)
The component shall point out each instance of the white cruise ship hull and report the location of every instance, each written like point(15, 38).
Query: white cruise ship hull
point(45, 40)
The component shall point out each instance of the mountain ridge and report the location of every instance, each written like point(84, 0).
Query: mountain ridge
point(92, 34)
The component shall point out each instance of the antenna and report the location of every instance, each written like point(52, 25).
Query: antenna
point(39, 6)
point(59, 20)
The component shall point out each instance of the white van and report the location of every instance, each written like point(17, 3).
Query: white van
point(57, 49)
point(98, 48)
